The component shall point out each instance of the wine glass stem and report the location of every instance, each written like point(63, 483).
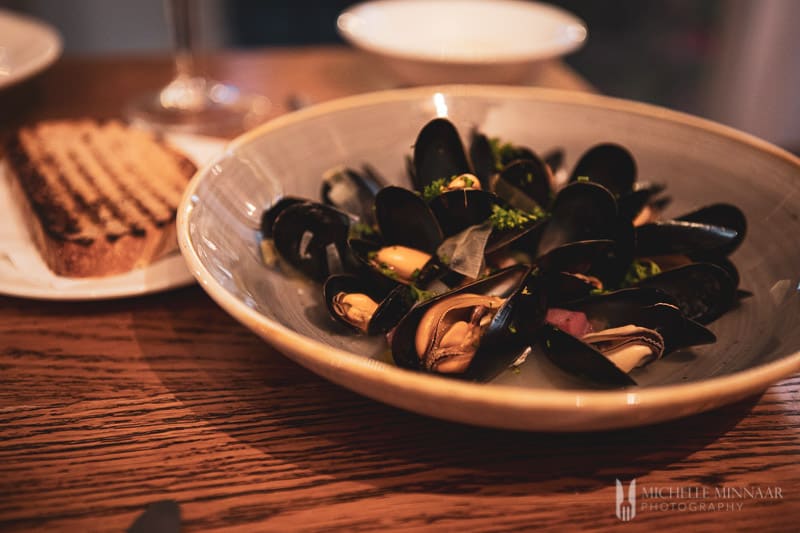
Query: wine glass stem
point(183, 21)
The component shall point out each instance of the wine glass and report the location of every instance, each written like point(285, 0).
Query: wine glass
point(193, 103)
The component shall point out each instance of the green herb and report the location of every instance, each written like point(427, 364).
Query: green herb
point(583, 178)
point(640, 269)
point(511, 218)
point(434, 189)
point(516, 370)
point(512, 328)
point(421, 295)
point(529, 177)
point(598, 290)
point(444, 259)
point(372, 255)
point(468, 182)
point(386, 270)
point(501, 151)
point(415, 274)
point(359, 230)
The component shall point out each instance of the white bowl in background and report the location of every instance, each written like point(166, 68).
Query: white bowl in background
point(464, 41)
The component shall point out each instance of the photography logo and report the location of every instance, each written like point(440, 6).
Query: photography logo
point(626, 508)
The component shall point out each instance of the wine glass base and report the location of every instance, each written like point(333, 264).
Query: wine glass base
point(198, 106)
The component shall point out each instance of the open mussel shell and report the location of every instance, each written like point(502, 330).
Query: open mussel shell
point(632, 203)
point(721, 215)
point(438, 153)
point(531, 176)
point(646, 307)
point(481, 156)
point(269, 215)
point(421, 272)
point(352, 191)
point(404, 219)
point(575, 257)
point(681, 237)
point(393, 302)
point(702, 291)
point(502, 284)
point(581, 211)
point(608, 164)
point(580, 359)
point(554, 159)
point(459, 209)
point(312, 238)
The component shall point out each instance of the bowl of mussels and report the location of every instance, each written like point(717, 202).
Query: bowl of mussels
point(508, 256)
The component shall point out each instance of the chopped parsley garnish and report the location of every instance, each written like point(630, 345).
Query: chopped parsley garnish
point(640, 269)
point(583, 178)
point(421, 295)
point(511, 218)
point(359, 230)
point(434, 189)
point(468, 182)
point(415, 274)
point(501, 151)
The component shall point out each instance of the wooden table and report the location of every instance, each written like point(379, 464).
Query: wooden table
point(108, 406)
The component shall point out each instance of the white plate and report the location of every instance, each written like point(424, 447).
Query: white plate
point(26, 47)
point(24, 273)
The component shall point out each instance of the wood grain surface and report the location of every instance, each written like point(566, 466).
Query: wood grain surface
point(106, 407)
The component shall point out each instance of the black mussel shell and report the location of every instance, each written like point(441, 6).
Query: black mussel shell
point(576, 257)
point(646, 307)
point(405, 219)
point(513, 330)
point(702, 291)
point(554, 159)
point(580, 359)
point(722, 215)
point(394, 301)
point(531, 176)
point(610, 165)
point(312, 238)
point(503, 284)
point(562, 287)
point(481, 156)
point(524, 238)
point(581, 211)
point(681, 237)
point(438, 153)
point(632, 203)
point(461, 208)
point(269, 215)
point(352, 191)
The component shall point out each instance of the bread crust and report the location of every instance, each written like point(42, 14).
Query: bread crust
point(100, 254)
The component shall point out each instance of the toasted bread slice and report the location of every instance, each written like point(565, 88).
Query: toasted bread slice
point(100, 198)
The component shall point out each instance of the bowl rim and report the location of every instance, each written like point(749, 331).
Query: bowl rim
point(552, 50)
point(316, 355)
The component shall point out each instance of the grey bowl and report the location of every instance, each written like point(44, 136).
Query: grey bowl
point(702, 162)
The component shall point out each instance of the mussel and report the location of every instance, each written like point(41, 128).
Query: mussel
point(352, 191)
point(468, 332)
point(405, 250)
point(365, 304)
point(629, 328)
point(312, 238)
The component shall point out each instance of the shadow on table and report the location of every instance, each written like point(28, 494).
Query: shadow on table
point(239, 385)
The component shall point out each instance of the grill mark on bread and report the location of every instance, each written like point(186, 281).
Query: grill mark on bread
point(85, 181)
point(125, 171)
